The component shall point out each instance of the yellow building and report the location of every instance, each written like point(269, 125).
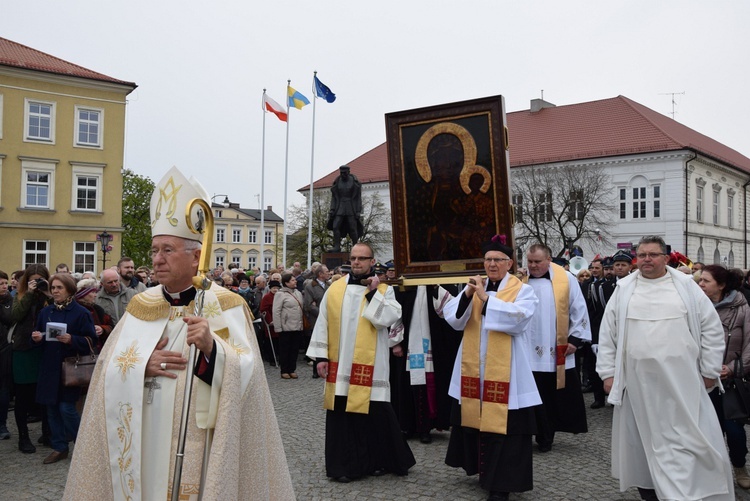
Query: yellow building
point(62, 130)
point(238, 236)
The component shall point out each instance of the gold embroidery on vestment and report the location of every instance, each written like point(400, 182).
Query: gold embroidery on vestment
point(127, 360)
point(125, 460)
point(223, 333)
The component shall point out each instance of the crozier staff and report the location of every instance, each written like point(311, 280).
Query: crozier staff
point(125, 444)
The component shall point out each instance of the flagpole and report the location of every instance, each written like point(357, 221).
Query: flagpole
point(263, 187)
point(312, 167)
point(286, 170)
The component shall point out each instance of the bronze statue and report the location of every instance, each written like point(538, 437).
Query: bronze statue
point(344, 217)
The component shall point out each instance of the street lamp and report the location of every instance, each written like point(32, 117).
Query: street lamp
point(225, 203)
point(105, 239)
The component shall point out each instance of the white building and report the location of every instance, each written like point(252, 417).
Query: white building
point(667, 179)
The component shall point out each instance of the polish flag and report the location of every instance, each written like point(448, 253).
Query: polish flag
point(274, 107)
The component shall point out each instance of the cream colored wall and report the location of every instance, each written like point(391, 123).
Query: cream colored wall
point(62, 226)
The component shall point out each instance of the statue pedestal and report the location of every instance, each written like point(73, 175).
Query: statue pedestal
point(334, 259)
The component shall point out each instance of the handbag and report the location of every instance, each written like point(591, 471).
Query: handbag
point(736, 398)
point(77, 371)
point(305, 322)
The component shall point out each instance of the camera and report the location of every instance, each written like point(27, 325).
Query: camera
point(41, 284)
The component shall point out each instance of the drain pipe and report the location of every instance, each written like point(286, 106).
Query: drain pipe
point(687, 204)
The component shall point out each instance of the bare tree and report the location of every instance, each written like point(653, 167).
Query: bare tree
point(562, 206)
point(376, 224)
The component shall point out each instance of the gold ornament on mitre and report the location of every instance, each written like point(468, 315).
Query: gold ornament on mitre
point(171, 195)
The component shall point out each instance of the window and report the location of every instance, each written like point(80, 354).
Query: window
point(1, 116)
point(87, 188)
point(577, 211)
point(518, 208)
point(220, 235)
point(730, 210)
point(657, 201)
point(717, 256)
point(35, 252)
point(623, 203)
point(252, 237)
point(266, 263)
point(236, 235)
point(544, 207)
point(237, 259)
point(219, 260)
point(639, 203)
point(699, 203)
point(37, 184)
point(268, 237)
point(218, 213)
point(252, 262)
point(88, 127)
point(40, 121)
point(716, 207)
point(84, 256)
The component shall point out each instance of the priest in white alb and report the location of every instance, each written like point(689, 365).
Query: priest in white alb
point(492, 383)
point(127, 441)
point(661, 347)
point(351, 344)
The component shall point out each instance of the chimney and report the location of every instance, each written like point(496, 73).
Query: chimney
point(270, 208)
point(539, 104)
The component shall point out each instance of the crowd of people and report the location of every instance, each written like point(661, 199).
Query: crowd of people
point(501, 362)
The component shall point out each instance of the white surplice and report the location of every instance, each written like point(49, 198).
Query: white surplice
point(382, 311)
point(512, 319)
point(542, 338)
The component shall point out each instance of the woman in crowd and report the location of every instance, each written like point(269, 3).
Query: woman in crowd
point(103, 323)
point(78, 339)
point(266, 312)
point(32, 297)
point(583, 275)
point(722, 288)
point(287, 314)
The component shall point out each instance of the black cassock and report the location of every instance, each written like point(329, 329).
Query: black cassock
point(422, 408)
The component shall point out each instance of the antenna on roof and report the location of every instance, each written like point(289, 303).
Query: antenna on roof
point(673, 94)
point(542, 94)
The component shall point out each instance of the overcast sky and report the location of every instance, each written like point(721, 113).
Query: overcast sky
point(201, 68)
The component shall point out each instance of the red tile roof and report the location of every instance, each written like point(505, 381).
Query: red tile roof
point(20, 56)
point(596, 129)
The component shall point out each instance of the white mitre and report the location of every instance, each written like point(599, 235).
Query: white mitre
point(169, 205)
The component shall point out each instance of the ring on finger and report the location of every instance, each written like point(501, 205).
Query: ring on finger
point(163, 366)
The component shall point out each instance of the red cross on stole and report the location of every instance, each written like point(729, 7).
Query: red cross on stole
point(362, 374)
point(496, 392)
point(333, 369)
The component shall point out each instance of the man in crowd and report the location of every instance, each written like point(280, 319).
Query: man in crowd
point(350, 342)
point(62, 268)
point(661, 345)
point(133, 412)
point(126, 269)
point(6, 354)
point(559, 327)
point(313, 297)
point(494, 388)
point(114, 297)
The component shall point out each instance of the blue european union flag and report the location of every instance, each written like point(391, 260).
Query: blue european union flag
point(322, 90)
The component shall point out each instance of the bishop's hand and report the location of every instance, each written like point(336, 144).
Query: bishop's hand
point(162, 361)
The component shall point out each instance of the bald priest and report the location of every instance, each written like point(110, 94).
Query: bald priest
point(128, 438)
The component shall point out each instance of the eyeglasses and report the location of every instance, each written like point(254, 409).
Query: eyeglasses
point(356, 258)
point(650, 255)
point(496, 259)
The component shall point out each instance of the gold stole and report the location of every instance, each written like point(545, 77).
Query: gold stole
point(561, 294)
point(363, 361)
point(489, 414)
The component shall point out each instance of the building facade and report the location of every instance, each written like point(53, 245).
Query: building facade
point(238, 237)
point(663, 178)
point(62, 130)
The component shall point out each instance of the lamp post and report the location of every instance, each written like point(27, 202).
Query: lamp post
point(105, 239)
point(225, 203)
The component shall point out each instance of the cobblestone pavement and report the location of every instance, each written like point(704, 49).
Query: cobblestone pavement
point(576, 469)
